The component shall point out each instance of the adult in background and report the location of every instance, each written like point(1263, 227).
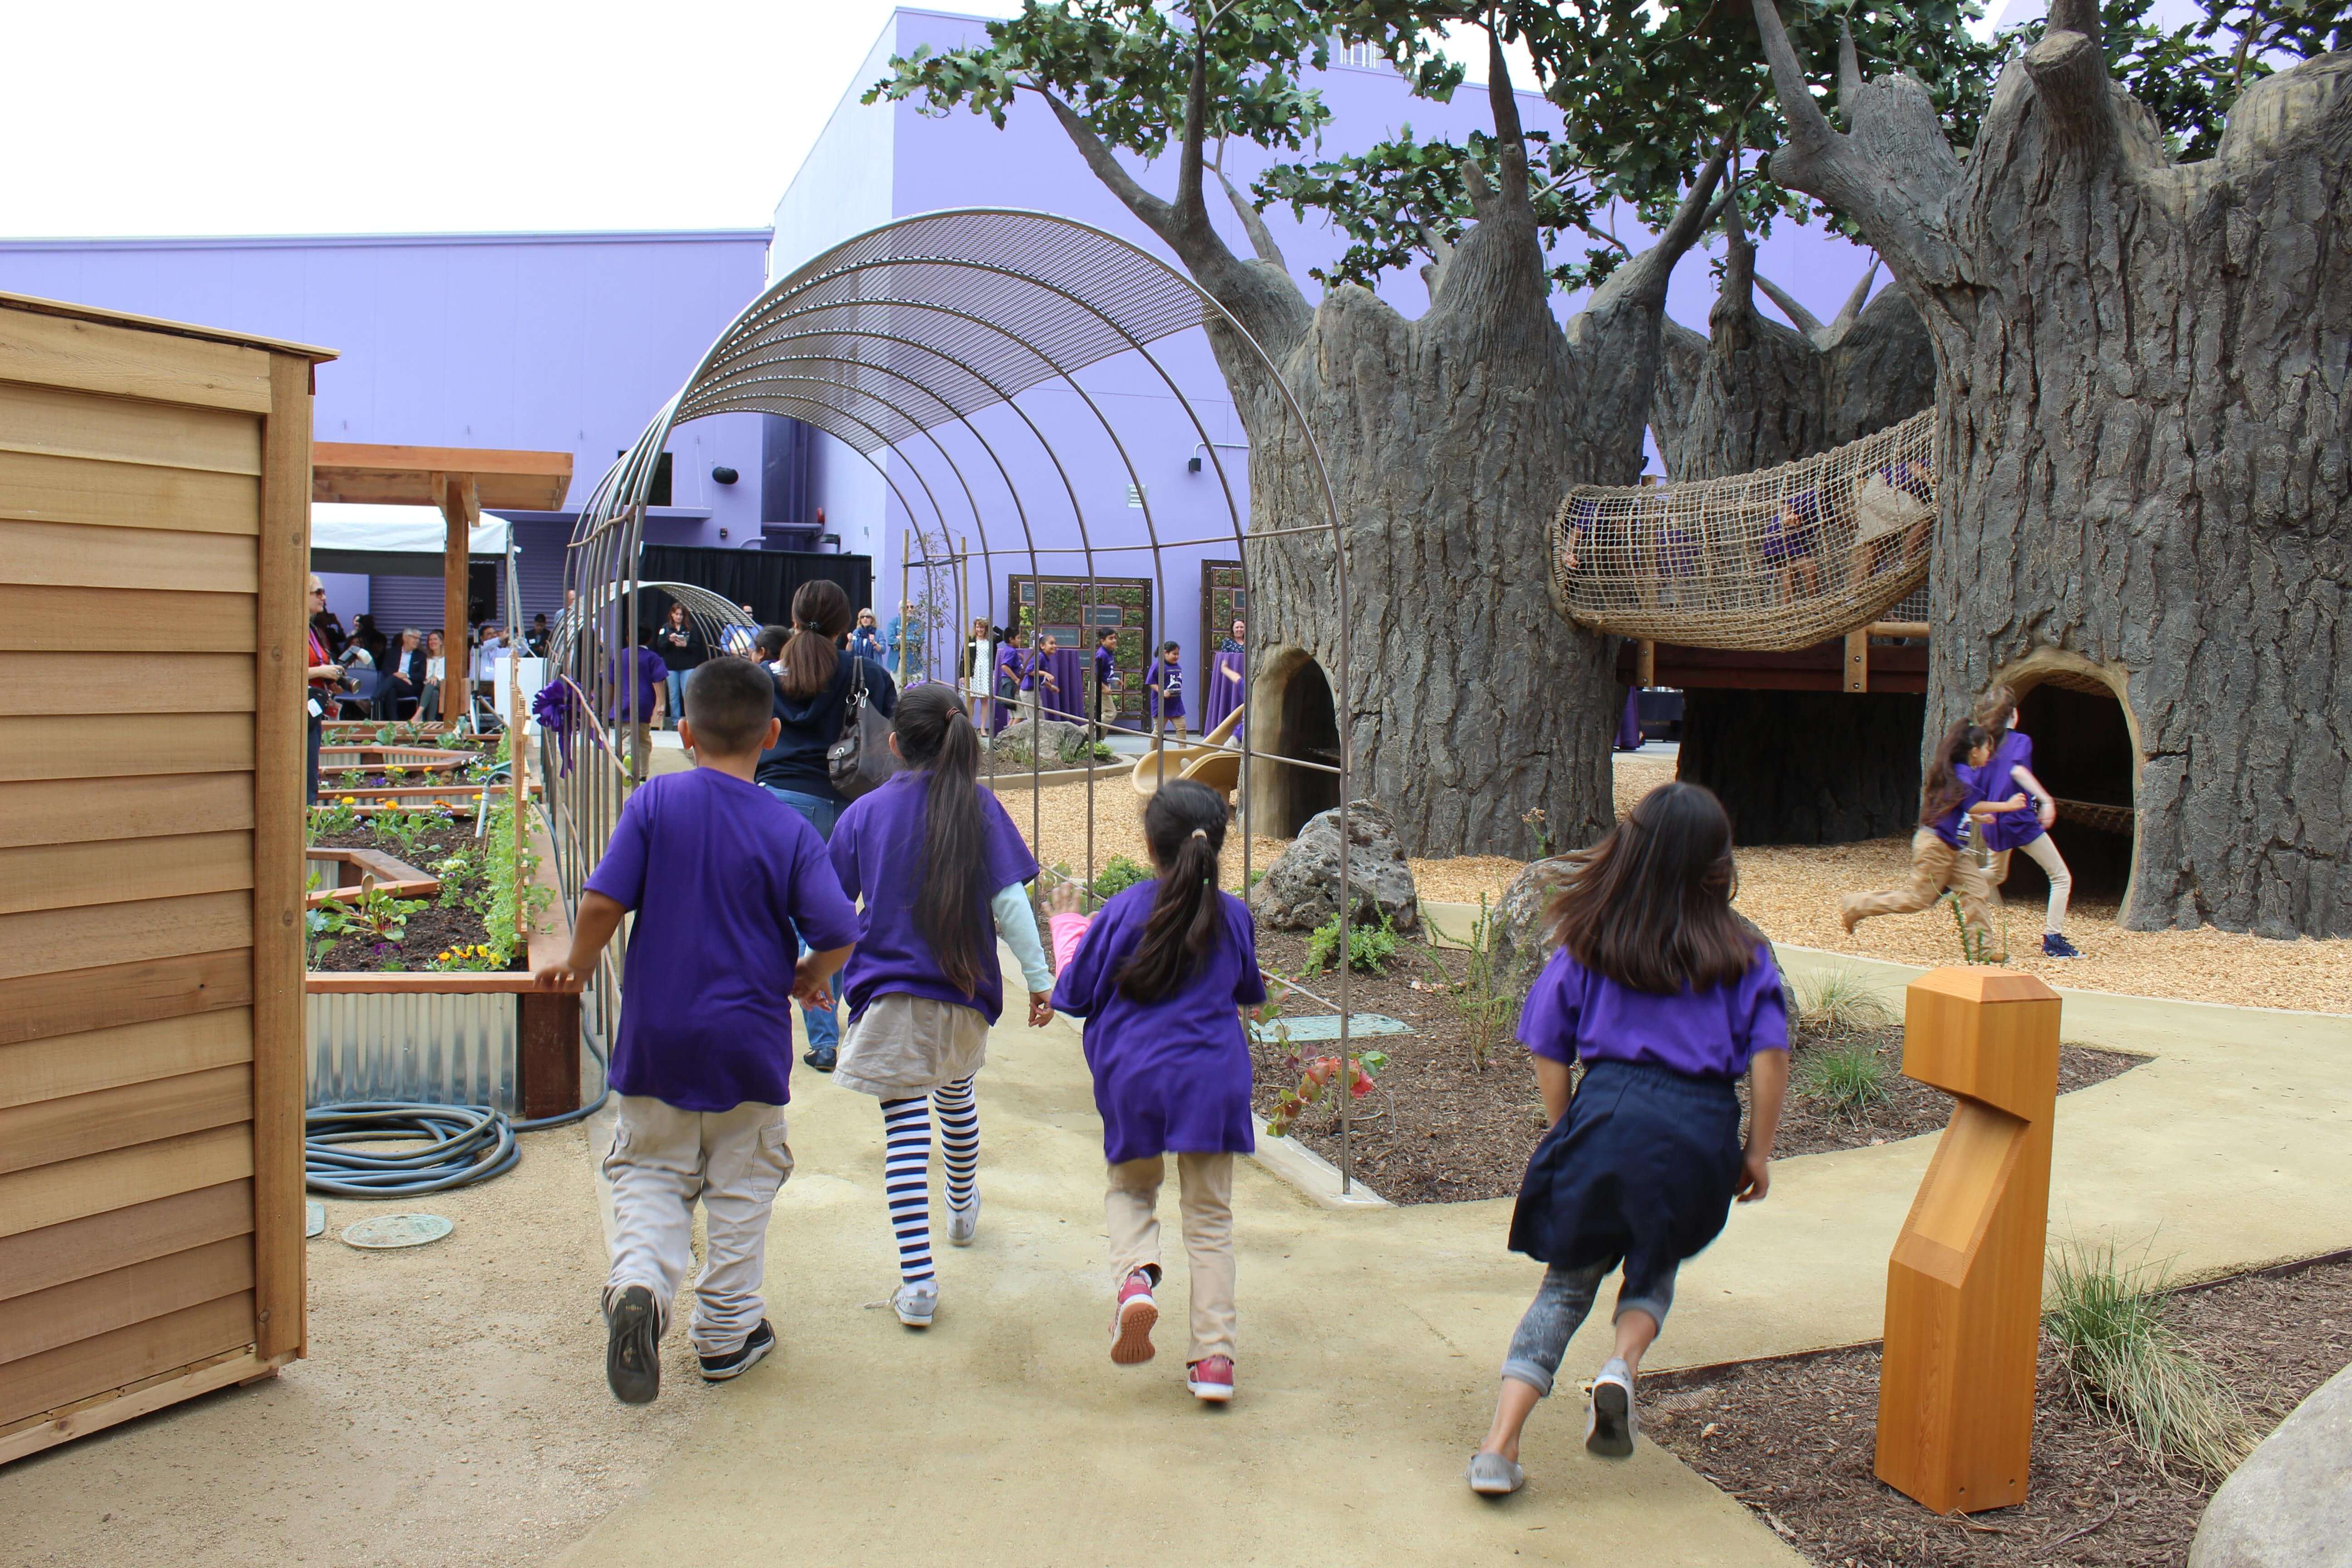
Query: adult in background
point(539, 635)
point(979, 667)
point(682, 648)
point(322, 677)
point(2008, 776)
point(436, 669)
point(1226, 692)
point(402, 687)
point(812, 683)
point(866, 638)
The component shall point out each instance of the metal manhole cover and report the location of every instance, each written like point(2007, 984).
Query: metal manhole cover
point(314, 1219)
point(397, 1230)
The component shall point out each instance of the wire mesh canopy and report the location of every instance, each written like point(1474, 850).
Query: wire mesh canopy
point(947, 350)
point(1783, 557)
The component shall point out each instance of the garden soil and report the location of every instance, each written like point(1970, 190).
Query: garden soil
point(1792, 1440)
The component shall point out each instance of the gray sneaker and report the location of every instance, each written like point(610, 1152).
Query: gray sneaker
point(1608, 1421)
point(963, 1223)
point(915, 1304)
point(1491, 1475)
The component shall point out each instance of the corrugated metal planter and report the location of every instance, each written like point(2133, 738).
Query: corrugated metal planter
point(437, 1047)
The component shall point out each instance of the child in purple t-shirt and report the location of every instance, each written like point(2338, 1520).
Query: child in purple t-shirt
point(1941, 855)
point(2008, 775)
point(727, 881)
point(1158, 975)
point(1164, 686)
point(942, 871)
point(1669, 997)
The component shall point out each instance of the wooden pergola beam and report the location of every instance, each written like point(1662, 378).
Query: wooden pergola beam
point(415, 476)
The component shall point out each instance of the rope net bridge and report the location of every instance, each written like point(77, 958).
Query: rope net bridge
point(1783, 558)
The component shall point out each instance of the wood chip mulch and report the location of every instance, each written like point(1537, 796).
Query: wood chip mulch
point(1792, 1440)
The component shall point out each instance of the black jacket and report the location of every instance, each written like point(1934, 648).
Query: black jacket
point(811, 726)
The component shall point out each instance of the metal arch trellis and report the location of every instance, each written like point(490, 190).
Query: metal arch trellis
point(887, 342)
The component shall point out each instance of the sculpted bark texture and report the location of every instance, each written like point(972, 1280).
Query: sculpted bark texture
point(2145, 438)
point(1449, 440)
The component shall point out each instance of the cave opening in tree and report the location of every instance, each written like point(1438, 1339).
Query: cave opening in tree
point(1291, 715)
point(2083, 754)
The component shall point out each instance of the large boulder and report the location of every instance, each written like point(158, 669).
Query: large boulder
point(2290, 1504)
point(1301, 889)
point(1062, 744)
point(1520, 943)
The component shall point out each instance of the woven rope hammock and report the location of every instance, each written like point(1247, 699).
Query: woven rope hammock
point(1783, 557)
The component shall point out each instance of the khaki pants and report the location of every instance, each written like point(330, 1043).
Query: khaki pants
point(662, 1160)
point(1205, 1186)
point(640, 742)
point(1934, 866)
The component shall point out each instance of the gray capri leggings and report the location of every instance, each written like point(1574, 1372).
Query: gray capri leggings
point(1559, 1309)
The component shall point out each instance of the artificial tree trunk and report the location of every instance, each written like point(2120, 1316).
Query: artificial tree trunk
point(2145, 441)
point(1448, 441)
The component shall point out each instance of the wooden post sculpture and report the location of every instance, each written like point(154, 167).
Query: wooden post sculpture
point(1964, 1284)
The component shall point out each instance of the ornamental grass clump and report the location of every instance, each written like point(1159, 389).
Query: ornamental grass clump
point(1839, 1002)
point(1846, 1079)
point(2122, 1359)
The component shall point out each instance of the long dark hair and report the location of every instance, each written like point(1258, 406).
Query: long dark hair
point(1650, 905)
point(1943, 789)
point(820, 620)
point(935, 735)
point(1186, 826)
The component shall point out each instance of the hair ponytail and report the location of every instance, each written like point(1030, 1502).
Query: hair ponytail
point(1943, 789)
point(812, 655)
point(935, 735)
point(1186, 826)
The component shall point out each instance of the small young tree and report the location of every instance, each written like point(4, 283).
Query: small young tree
point(1450, 438)
point(2145, 427)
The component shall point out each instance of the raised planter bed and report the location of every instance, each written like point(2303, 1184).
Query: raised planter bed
point(343, 870)
point(376, 759)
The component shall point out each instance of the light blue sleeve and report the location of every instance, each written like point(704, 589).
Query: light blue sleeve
point(1016, 922)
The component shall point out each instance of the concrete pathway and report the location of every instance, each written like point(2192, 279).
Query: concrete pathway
point(1371, 1337)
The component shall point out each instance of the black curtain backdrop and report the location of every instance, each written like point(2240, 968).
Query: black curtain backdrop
point(764, 579)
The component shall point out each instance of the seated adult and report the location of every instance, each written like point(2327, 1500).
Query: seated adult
point(404, 676)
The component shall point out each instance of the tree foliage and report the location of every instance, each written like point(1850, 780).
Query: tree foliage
point(2189, 77)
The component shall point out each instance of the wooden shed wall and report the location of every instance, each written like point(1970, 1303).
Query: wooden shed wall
point(154, 536)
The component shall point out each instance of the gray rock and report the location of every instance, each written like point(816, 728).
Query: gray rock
point(1301, 889)
point(1520, 944)
point(1063, 744)
point(2290, 1504)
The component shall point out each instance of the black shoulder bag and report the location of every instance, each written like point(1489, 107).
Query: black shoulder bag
point(859, 763)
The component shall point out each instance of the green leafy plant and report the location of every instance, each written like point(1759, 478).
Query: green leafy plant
point(1837, 1001)
point(1846, 1079)
point(1976, 946)
point(1118, 874)
point(405, 828)
point(1369, 947)
point(459, 872)
point(515, 901)
point(338, 816)
point(370, 914)
point(351, 778)
point(1483, 997)
point(478, 957)
point(1316, 1077)
point(2110, 1321)
point(1541, 826)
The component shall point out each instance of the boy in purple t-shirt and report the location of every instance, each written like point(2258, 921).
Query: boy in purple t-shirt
point(727, 882)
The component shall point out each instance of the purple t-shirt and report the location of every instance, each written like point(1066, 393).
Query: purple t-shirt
point(877, 853)
point(1167, 683)
point(1573, 1012)
point(1971, 780)
point(653, 676)
point(2011, 829)
point(1170, 1076)
point(726, 880)
point(1105, 667)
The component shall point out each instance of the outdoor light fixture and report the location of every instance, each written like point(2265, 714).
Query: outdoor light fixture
point(723, 475)
point(1193, 463)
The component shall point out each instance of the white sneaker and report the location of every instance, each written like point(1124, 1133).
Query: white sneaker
point(1608, 1421)
point(963, 1223)
point(915, 1304)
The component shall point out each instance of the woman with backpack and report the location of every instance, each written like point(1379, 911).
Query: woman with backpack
point(813, 686)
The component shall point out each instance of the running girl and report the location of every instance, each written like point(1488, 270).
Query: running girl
point(1164, 687)
point(1941, 856)
point(1158, 977)
point(2008, 776)
point(1668, 996)
point(940, 868)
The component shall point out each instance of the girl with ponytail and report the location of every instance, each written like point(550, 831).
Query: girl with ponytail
point(941, 869)
point(1158, 976)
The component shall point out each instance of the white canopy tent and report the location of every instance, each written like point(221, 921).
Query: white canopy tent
point(388, 541)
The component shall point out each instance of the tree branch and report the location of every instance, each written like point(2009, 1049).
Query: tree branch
point(1807, 323)
point(1261, 238)
point(2070, 78)
point(1509, 136)
point(1156, 215)
point(1849, 75)
point(1642, 280)
point(1192, 209)
point(1850, 312)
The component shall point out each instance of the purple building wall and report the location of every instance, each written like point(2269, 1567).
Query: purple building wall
point(561, 343)
point(875, 162)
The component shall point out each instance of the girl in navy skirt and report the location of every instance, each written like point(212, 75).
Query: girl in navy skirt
point(1668, 997)
point(1159, 976)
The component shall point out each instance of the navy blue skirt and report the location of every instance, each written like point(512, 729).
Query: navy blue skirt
point(1641, 1168)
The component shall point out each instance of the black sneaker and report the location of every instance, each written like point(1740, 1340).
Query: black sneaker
point(821, 1058)
point(633, 1349)
point(2056, 946)
point(743, 1358)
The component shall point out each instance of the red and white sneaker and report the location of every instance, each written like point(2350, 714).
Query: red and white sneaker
point(1131, 1322)
point(1210, 1379)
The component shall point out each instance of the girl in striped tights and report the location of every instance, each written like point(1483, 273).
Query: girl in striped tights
point(941, 869)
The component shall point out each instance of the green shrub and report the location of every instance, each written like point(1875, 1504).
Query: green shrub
point(1846, 1079)
point(1839, 1002)
point(1118, 874)
point(2122, 1358)
point(1369, 947)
